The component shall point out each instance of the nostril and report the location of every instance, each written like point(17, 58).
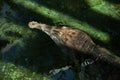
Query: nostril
point(32, 23)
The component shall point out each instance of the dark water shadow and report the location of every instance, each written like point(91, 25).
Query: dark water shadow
point(36, 55)
point(44, 52)
point(3, 43)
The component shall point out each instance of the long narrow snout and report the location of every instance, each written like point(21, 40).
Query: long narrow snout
point(33, 24)
point(45, 28)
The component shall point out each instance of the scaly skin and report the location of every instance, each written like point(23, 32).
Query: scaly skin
point(70, 37)
point(76, 40)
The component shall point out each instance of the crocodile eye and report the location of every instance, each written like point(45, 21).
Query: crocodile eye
point(32, 24)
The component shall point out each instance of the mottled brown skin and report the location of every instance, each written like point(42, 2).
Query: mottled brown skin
point(77, 40)
point(67, 36)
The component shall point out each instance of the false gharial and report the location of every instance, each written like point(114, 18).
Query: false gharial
point(76, 39)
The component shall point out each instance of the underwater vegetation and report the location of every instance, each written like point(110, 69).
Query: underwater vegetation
point(29, 54)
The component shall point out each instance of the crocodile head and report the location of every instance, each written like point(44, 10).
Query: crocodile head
point(45, 28)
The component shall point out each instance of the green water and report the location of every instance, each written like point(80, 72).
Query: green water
point(30, 54)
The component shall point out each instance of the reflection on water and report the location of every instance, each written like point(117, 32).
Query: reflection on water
point(64, 73)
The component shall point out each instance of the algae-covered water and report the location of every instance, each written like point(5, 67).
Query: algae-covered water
point(29, 54)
